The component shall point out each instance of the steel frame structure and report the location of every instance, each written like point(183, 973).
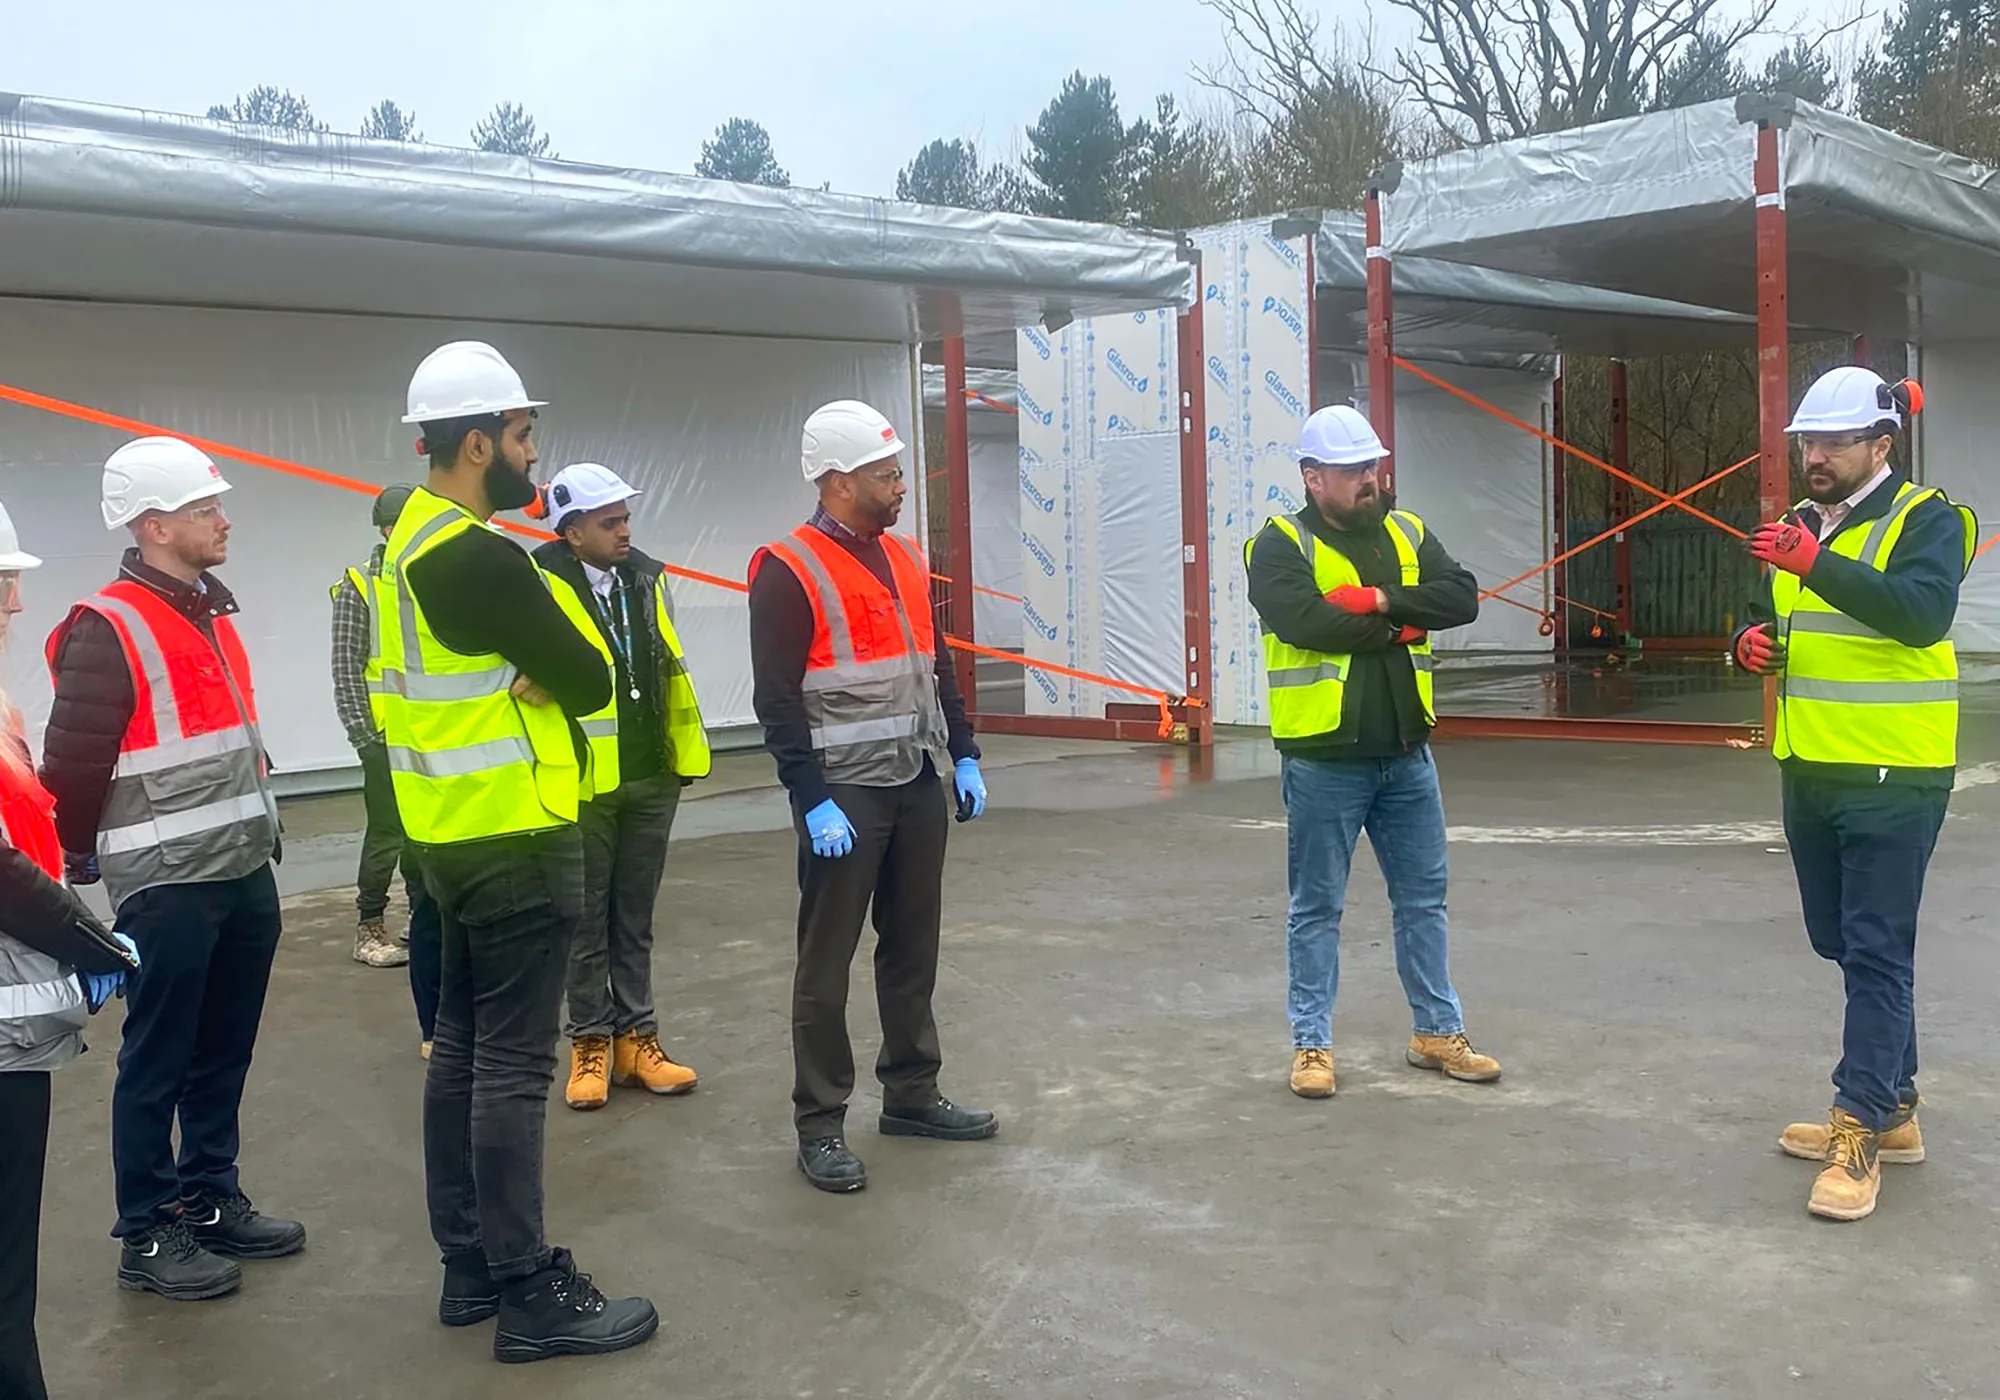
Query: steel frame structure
point(1774, 462)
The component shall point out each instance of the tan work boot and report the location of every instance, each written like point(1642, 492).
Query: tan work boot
point(636, 1058)
point(1849, 1183)
point(1454, 1055)
point(1312, 1073)
point(589, 1072)
point(1902, 1141)
point(373, 948)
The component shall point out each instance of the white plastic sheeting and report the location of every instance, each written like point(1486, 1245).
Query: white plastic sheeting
point(995, 467)
point(1957, 432)
point(1100, 509)
point(706, 427)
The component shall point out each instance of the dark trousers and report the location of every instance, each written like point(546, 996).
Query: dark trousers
point(624, 854)
point(897, 869)
point(24, 1149)
point(510, 907)
point(382, 845)
point(1861, 853)
point(426, 945)
point(191, 1017)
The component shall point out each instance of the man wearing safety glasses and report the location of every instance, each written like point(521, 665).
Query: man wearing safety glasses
point(1348, 591)
point(1854, 618)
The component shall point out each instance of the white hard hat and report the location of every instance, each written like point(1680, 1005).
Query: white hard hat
point(12, 556)
point(845, 436)
point(465, 379)
point(583, 486)
point(156, 473)
point(1339, 436)
point(1852, 399)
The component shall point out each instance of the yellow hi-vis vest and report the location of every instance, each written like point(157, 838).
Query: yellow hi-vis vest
point(688, 752)
point(371, 671)
point(468, 760)
point(1849, 694)
point(1309, 688)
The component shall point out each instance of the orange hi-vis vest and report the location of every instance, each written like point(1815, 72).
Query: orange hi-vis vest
point(871, 676)
point(189, 801)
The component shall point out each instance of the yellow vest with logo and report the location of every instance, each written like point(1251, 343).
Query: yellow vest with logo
point(1308, 689)
point(469, 761)
point(1849, 694)
point(688, 751)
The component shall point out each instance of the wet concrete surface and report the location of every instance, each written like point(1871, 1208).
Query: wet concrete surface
point(1159, 1217)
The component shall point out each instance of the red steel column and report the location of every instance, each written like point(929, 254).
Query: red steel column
point(1199, 666)
point(1621, 499)
point(1559, 513)
point(958, 480)
point(1774, 379)
point(1381, 341)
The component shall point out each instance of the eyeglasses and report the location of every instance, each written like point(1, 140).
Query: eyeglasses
point(1830, 443)
point(882, 474)
point(202, 515)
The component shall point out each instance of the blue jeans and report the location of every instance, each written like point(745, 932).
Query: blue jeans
point(1861, 853)
point(1327, 807)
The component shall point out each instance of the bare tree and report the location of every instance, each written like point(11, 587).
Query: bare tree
point(1314, 121)
point(1490, 70)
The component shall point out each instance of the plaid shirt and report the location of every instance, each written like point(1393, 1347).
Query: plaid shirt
point(350, 657)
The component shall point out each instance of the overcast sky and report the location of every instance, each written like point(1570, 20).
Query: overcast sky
point(849, 89)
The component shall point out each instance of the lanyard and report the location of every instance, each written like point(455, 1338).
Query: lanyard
point(619, 614)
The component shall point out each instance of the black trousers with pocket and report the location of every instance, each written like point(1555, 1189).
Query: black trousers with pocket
point(895, 872)
point(24, 1150)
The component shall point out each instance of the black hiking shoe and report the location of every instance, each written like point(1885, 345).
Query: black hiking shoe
point(940, 1119)
point(232, 1227)
point(558, 1312)
point(830, 1165)
point(167, 1261)
point(470, 1295)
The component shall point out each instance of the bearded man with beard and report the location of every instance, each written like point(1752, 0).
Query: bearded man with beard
point(1348, 591)
point(480, 680)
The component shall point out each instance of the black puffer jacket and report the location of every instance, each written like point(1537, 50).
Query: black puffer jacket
point(94, 699)
point(38, 913)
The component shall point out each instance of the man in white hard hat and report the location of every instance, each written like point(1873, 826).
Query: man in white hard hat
point(1854, 617)
point(484, 677)
point(1349, 590)
point(646, 744)
point(169, 801)
point(382, 847)
point(860, 710)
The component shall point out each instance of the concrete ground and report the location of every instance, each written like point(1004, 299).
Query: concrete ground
point(1159, 1217)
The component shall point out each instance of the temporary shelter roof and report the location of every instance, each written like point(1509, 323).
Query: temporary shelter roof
point(1887, 236)
point(113, 204)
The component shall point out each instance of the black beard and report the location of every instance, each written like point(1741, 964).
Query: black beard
point(506, 488)
point(1363, 515)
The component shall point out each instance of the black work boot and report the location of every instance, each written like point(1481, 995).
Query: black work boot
point(829, 1165)
point(167, 1261)
point(558, 1312)
point(470, 1295)
point(940, 1119)
point(232, 1227)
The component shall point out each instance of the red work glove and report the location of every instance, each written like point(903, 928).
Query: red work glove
point(1408, 636)
point(1759, 652)
point(1785, 545)
point(1352, 597)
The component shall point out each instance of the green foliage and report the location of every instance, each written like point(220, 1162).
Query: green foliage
point(741, 151)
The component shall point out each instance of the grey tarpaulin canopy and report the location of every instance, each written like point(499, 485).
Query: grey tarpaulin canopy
point(1887, 237)
point(112, 204)
point(1450, 310)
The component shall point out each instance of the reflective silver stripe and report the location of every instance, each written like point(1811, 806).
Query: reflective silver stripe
point(1872, 692)
point(173, 826)
point(864, 731)
point(445, 685)
point(1423, 661)
point(22, 1000)
point(152, 661)
point(838, 677)
point(599, 728)
point(1290, 676)
point(172, 753)
point(462, 762)
point(1832, 624)
point(1405, 532)
point(830, 605)
point(413, 652)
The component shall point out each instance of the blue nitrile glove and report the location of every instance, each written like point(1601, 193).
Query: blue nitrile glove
point(99, 988)
point(832, 833)
point(971, 788)
point(81, 870)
